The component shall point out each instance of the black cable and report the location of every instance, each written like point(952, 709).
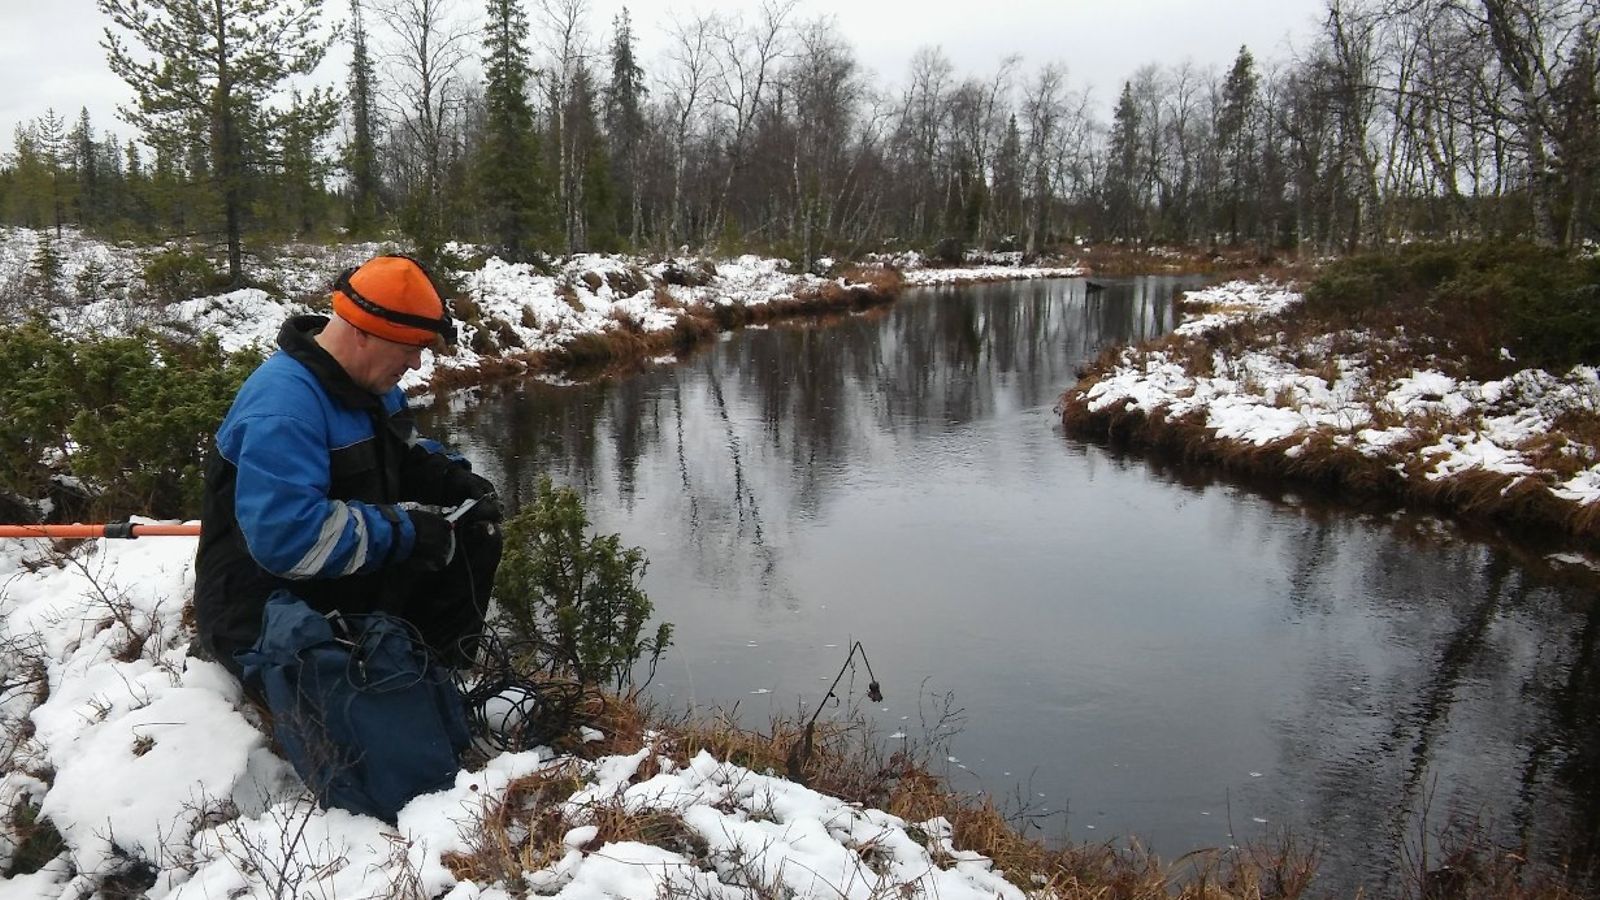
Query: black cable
point(528, 711)
point(510, 710)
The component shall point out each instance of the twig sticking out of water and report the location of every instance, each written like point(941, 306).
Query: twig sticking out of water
point(800, 752)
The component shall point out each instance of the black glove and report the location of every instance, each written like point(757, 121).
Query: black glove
point(435, 543)
point(468, 485)
point(487, 509)
point(464, 483)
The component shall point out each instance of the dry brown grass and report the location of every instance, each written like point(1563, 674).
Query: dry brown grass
point(1111, 259)
point(525, 831)
point(1473, 495)
point(627, 347)
point(521, 832)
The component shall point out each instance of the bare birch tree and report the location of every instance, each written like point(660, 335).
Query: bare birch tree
point(686, 82)
point(746, 60)
point(565, 41)
point(423, 53)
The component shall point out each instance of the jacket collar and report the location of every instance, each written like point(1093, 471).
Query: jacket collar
point(297, 338)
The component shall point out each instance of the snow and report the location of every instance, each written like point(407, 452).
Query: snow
point(144, 758)
point(140, 754)
point(1424, 423)
point(971, 274)
point(1228, 303)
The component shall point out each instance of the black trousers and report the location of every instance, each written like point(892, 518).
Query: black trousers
point(448, 606)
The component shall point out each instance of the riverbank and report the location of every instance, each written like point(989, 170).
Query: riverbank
point(1253, 383)
point(131, 769)
point(535, 832)
point(583, 313)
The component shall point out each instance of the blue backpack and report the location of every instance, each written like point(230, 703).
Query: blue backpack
point(365, 715)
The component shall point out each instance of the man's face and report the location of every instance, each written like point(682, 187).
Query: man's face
point(383, 363)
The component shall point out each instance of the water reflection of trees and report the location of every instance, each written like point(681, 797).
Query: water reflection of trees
point(757, 429)
point(1425, 674)
point(1447, 690)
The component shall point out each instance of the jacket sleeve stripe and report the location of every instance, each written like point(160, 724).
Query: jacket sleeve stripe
point(311, 565)
point(359, 557)
point(290, 525)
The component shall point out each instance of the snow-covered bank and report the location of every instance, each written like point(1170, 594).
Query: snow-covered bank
point(978, 274)
point(160, 782)
point(516, 315)
point(145, 763)
point(1313, 407)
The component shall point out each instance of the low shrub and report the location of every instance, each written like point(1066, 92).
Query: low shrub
point(175, 274)
point(131, 416)
point(577, 598)
point(1489, 308)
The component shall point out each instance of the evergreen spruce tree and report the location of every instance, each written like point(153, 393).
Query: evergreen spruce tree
point(50, 132)
point(87, 196)
point(1236, 136)
point(29, 200)
point(624, 119)
point(361, 152)
point(1122, 168)
point(113, 203)
point(138, 210)
point(204, 81)
point(44, 269)
point(508, 164)
point(1577, 138)
point(90, 282)
point(301, 172)
point(1008, 176)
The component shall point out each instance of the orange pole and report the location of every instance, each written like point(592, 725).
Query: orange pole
point(111, 530)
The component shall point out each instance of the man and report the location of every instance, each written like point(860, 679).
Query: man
point(318, 484)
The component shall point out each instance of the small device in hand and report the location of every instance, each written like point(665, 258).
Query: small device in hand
point(466, 506)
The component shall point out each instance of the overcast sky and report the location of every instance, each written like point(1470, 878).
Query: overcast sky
point(50, 54)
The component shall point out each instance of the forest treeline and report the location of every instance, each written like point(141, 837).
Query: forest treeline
point(533, 128)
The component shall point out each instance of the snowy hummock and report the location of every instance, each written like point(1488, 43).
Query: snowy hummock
point(1292, 394)
point(143, 757)
point(521, 309)
point(970, 274)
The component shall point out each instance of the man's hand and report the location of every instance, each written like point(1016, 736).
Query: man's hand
point(487, 509)
point(435, 543)
point(469, 485)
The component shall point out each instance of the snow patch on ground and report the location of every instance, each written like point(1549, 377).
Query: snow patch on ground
point(1425, 423)
point(968, 275)
point(143, 757)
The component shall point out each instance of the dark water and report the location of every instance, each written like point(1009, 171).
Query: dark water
point(1138, 654)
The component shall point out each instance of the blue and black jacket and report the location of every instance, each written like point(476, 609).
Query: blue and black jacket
point(301, 492)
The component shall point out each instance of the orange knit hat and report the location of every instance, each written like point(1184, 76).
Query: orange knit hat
point(393, 297)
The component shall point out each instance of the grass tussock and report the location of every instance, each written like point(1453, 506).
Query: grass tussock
point(522, 831)
point(626, 346)
point(531, 827)
point(36, 842)
point(1235, 262)
point(1474, 313)
point(491, 369)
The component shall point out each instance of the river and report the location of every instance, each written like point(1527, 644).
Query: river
point(1130, 650)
